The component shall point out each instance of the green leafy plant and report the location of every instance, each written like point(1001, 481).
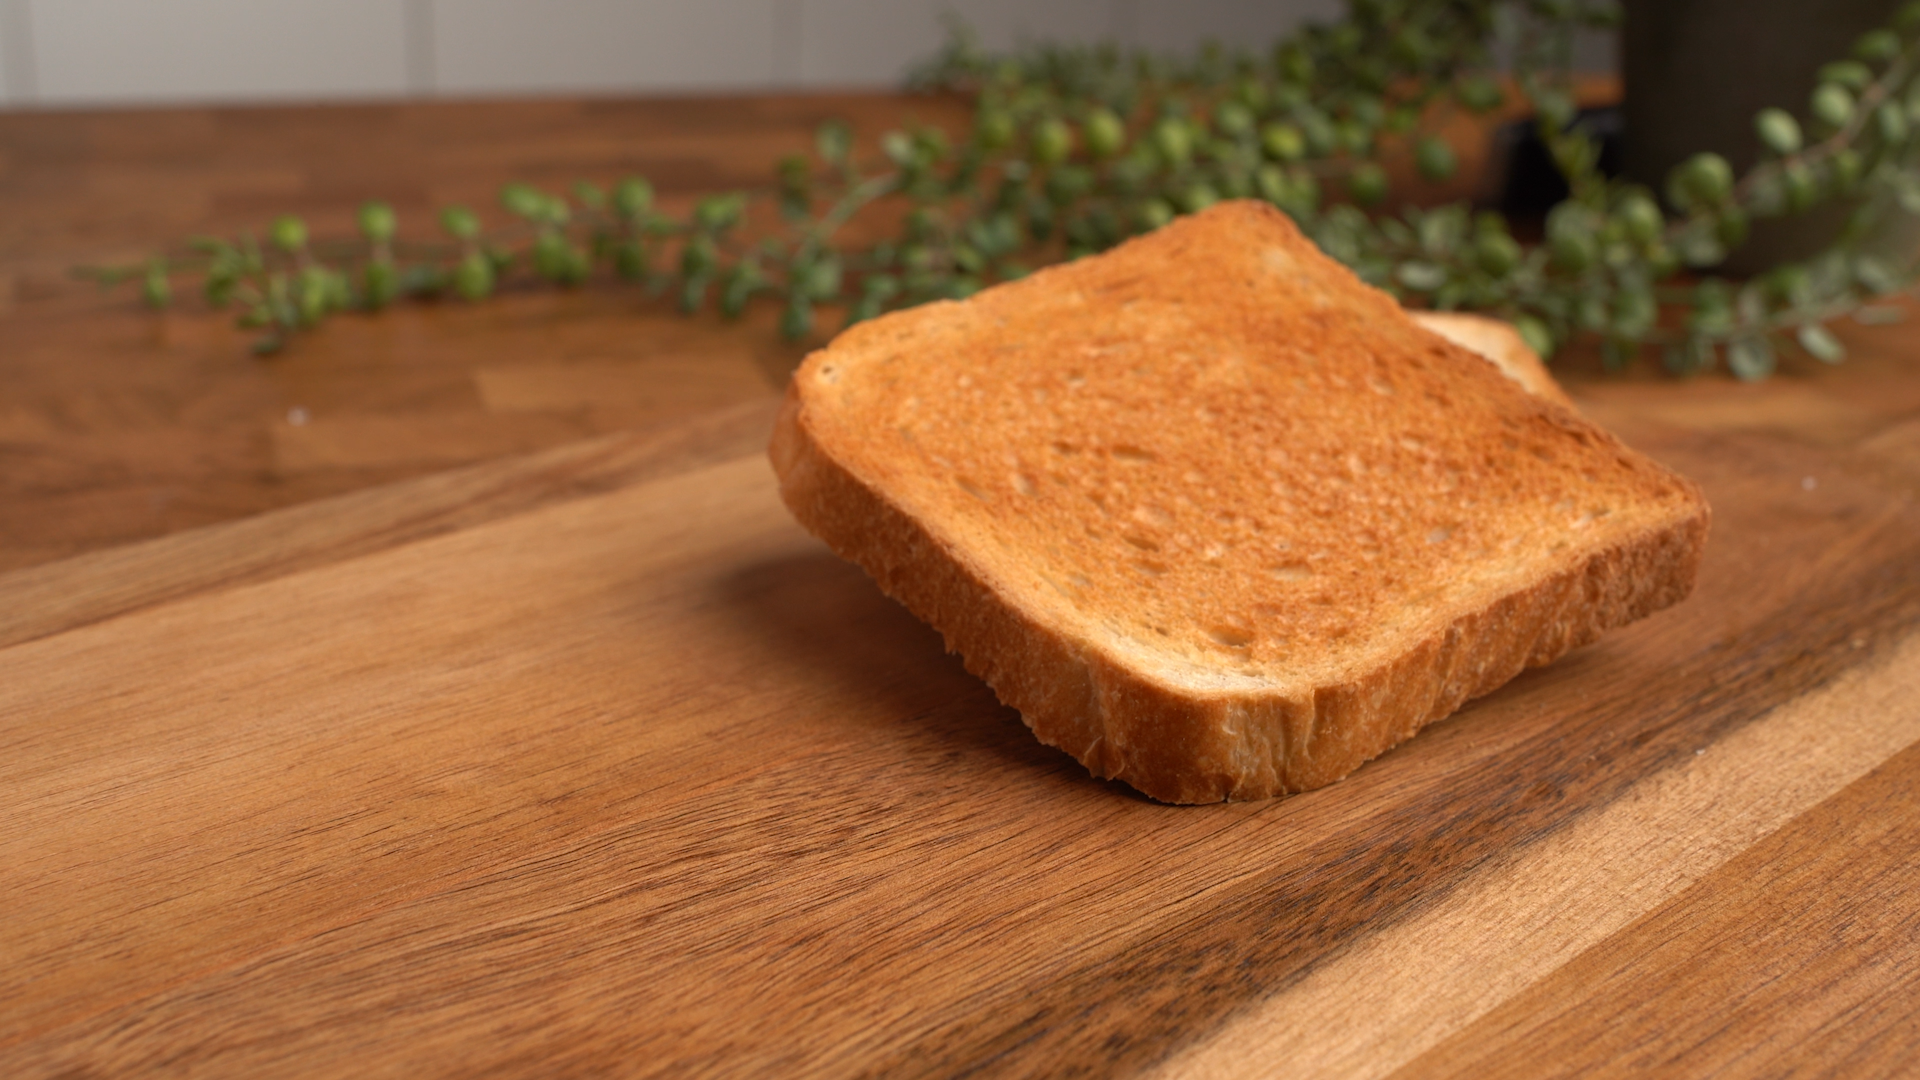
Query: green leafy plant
point(1072, 150)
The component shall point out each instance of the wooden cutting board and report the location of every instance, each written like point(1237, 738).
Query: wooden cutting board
point(593, 763)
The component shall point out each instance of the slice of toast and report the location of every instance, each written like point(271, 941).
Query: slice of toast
point(1500, 344)
point(1217, 518)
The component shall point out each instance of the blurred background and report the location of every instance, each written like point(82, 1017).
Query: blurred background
point(131, 52)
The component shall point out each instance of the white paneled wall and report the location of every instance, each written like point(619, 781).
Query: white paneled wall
point(517, 46)
point(1184, 24)
point(88, 52)
point(16, 82)
point(91, 52)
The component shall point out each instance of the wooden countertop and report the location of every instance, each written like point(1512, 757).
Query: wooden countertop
point(496, 718)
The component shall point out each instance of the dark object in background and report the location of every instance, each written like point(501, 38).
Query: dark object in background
point(1696, 72)
point(1528, 184)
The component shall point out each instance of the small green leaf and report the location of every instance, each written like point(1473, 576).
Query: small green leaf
point(834, 139)
point(590, 195)
point(1556, 108)
point(1767, 193)
point(1283, 142)
point(693, 292)
point(632, 197)
point(1750, 358)
point(1497, 254)
point(1354, 136)
point(1051, 142)
point(1701, 249)
point(155, 289)
point(796, 321)
point(1536, 334)
point(697, 259)
point(1690, 357)
point(550, 254)
point(1875, 275)
point(1174, 141)
point(821, 279)
point(1851, 74)
point(1778, 130)
point(1832, 105)
point(380, 283)
point(716, 213)
point(1368, 184)
point(1821, 344)
point(460, 223)
point(1106, 134)
point(1421, 276)
point(1570, 238)
point(1640, 219)
point(378, 222)
point(1730, 228)
point(1233, 119)
point(1877, 46)
point(630, 260)
point(738, 286)
point(473, 278)
point(1435, 159)
point(898, 146)
point(1891, 121)
point(1802, 185)
point(524, 200)
point(1634, 312)
point(993, 128)
point(222, 278)
point(288, 233)
point(1479, 93)
point(1590, 312)
point(1846, 167)
point(310, 297)
point(1707, 178)
point(1197, 196)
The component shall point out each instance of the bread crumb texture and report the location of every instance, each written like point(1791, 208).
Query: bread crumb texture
point(1218, 518)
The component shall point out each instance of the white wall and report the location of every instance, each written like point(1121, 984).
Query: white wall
point(108, 52)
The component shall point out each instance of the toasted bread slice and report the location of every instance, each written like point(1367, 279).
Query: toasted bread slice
point(1499, 343)
point(1217, 518)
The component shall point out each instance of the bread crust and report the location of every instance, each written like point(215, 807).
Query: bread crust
point(1182, 743)
point(1181, 748)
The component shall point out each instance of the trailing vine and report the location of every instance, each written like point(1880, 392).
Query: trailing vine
point(1072, 150)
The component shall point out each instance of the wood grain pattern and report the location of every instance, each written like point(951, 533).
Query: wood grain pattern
point(44, 600)
point(1809, 945)
point(119, 425)
point(319, 757)
point(1564, 897)
point(642, 780)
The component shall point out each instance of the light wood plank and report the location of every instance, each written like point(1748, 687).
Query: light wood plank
point(1806, 946)
point(1403, 992)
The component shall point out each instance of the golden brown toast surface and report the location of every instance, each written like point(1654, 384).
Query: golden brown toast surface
point(1175, 501)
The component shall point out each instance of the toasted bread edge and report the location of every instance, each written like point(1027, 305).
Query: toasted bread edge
point(1182, 747)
